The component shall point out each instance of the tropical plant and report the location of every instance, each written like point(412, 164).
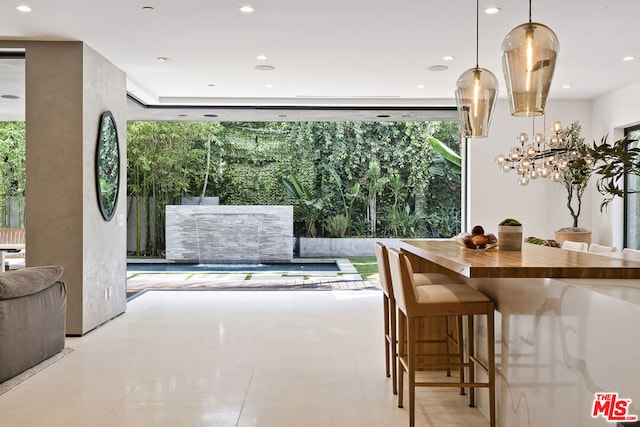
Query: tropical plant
point(401, 222)
point(374, 183)
point(347, 195)
point(338, 225)
point(613, 163)
point(444, 222)
point(443, 216)
point(302, 193)
point(447, 153)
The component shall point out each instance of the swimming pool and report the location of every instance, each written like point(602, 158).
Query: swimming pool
point(284, 267)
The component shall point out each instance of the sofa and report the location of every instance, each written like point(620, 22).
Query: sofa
point(33, 309)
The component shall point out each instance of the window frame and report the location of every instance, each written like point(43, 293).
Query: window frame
point(625, 210)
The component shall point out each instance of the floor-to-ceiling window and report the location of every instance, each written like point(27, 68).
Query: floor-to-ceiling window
point(632, 200)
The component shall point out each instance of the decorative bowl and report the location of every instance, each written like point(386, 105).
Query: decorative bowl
point(460, 239)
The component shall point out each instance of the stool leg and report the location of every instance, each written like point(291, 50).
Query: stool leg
point(411, 369)
point(471, 352)
point(460, 338)
point(394, 340)
point(387, 343)
point(491, 365)
point(401, 319)
point(446, 338)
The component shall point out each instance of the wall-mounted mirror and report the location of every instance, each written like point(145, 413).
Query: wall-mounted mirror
point(107, 165)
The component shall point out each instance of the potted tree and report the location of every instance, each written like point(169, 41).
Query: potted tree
point(575, 179)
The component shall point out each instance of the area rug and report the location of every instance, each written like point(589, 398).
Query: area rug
point(18, 379)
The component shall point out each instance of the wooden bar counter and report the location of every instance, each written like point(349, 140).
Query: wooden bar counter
point(534, 261)
point(567, 326)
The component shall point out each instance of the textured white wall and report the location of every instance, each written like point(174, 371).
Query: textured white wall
point(68, 86)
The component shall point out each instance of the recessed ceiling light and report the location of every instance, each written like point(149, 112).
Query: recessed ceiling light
point(210, 115)
point(628, 58)
point(566, 86)
point(421, 86)
point(492, 10)
point(163, 58)
point(264, 67)
point(261, 57)
point(438, 68)
point(246, 9)
point(211, 85)
point(23, 8)
point(448, 58)
point(148, 8)
point(269, 85)
point(10, 96)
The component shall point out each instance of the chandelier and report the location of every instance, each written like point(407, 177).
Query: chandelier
point(542, 158)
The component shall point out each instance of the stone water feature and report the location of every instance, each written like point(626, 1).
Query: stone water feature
point(229, 234)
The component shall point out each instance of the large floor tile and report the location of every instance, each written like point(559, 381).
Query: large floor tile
point(224, 358)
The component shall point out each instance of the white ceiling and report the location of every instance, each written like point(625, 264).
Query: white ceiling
point(348, 53)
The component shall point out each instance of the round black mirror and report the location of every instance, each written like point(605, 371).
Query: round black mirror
point(107, 165)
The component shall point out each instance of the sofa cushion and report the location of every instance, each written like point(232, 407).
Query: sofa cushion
point(27, 281)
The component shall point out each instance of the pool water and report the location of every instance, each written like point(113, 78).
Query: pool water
point(289, 267)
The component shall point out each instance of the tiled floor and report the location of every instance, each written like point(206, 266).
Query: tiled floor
point(225, 358)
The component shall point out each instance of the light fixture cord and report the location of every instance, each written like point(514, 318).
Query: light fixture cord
point(529, 11)
point(478, 28)
point(533, 127)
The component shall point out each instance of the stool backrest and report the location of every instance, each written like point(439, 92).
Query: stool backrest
point(594, 247)
point(382, 257)
point(402, 280)
point(575, 246)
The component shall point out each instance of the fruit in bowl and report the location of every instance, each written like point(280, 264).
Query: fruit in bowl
point(477, 239)
point(476, 230)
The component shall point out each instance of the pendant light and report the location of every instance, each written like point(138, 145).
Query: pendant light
point(476, 92)
point(528, 60)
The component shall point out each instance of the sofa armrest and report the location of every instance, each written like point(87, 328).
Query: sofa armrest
point(27, 281)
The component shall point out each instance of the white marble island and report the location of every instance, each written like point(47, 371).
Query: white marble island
point(567, 327)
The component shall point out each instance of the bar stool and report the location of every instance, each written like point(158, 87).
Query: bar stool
point(389, 308)
point(438, 301)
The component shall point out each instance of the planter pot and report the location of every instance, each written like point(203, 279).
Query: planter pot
point(510, 237)
point(573, 236)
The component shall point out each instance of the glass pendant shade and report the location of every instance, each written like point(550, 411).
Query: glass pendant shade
point(476, 92)
point(528, 60)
